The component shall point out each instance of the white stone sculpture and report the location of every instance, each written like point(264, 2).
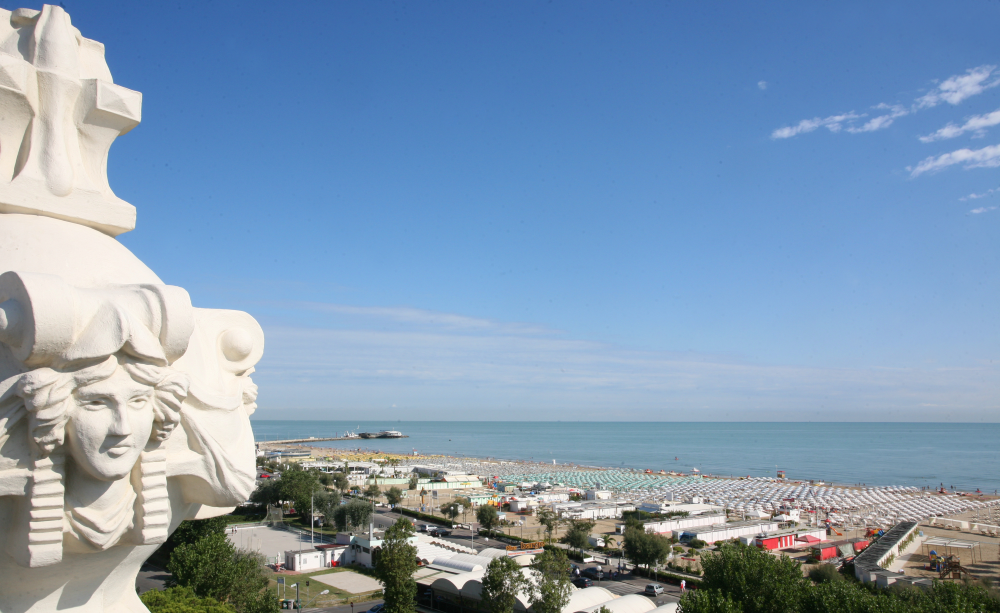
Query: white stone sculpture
point(123, 409)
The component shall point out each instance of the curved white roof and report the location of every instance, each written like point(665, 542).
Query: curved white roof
point(670, 607)
point(491, 552)
point(633, 603)
point(525, 560)
point(465, 566)
point(588, 597)
point(453, 584)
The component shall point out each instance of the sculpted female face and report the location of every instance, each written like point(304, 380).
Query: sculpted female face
point(110, 425)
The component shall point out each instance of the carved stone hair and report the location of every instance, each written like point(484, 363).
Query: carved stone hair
point(47, 395)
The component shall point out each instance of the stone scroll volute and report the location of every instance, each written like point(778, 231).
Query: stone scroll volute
point(123, 408)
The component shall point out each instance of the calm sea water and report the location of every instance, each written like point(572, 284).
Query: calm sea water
point(963, 455)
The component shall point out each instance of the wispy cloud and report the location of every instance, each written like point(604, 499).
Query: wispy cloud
point(881, 121)
point(987, 157)
point(976, 124)
point(952, 90)
point(988, 192)
point(762, 84)
point(955, 89)
point(419, 318)
point(983, 209)
point(440, 370)
point(833, 123)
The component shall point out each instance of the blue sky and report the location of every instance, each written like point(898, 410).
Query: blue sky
point(644, 211)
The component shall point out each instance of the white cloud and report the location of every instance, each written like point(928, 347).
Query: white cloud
point(976, 124)
point(983, 209)
point(833, 123)
point(762, 84)
point(978, 196)
point(987, 157)
point(882, 121)
point(957, 88)
point(952, 90)
point(447, 372)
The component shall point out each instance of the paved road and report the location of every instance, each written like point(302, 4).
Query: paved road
point(361, 607)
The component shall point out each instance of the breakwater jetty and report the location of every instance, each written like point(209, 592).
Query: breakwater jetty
point(313, 439)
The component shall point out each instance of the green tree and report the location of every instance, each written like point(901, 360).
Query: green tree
point(502, 583)
point(709, 601)
point(825, 573)
point(487, 517)
point(359, 512)
point(193, 530)
point(395, 567)
point(465, 503)
point(644, 548)
point(341, 520)
point(578, 533)
point(326, 504)
point(394, 495)
point(450, 510)
point(414, 481)
point(268, 492)
point(549, 519)
point(551, 588)
point(761, 582)
point(182, 600)
point(373, 492)
point(213, 568)
point(295, 486)
point(340, 482)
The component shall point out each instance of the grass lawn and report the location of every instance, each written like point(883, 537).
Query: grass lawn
point(335, 597)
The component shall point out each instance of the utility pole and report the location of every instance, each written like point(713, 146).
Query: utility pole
point(312, 517)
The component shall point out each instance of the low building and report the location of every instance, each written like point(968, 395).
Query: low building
point(333, 555)
point(602, 509)
point(787, 539)
point(668, 526)
point(304, 560)
point(723, 532)
point(597, 494)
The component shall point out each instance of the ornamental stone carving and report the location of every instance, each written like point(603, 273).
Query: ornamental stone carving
point(123, 408)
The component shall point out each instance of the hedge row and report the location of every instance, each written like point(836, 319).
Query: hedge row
point(665, 577)
point(441, 521)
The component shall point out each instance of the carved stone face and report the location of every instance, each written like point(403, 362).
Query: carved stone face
point(110, 425)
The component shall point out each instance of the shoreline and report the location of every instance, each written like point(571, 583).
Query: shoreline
point(370, 454)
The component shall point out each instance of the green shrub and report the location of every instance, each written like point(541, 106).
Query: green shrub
point(824, 573)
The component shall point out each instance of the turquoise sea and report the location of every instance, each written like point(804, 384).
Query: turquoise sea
point(963, 455)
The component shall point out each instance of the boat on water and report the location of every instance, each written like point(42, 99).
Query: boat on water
point(351, 435)
point(382, 434)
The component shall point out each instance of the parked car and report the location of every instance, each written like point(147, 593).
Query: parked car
point(377, 608)
point(594, 572)
point(442, 532)
point(425, 527)
point(582, 582)
point(653, 589)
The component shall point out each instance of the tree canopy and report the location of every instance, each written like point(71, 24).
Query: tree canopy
point(395, 567)
point(487, 517)
point(358, 512)
point(502, 583)
point(551, 588)
point(644, 548)
point(394, 495)
point(742, 579)
point(182, 600)
point(578, 533)
point(212, 568)
point(549, 519)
